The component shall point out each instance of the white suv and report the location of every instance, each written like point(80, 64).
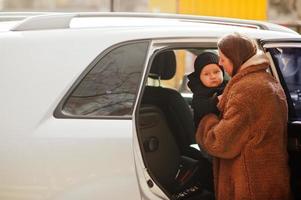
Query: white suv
point(95, 106)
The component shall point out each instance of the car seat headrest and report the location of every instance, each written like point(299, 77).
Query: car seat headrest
point(164, 65)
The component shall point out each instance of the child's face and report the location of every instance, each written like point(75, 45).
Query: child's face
point(211, 75)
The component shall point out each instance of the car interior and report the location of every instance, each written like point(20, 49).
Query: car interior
point(166, 133)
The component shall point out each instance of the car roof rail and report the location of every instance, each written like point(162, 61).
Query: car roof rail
point(194, 18)
point(62, 20)
point(16, 16)
point(46, 21)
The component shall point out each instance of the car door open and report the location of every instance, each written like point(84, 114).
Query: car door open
point(285, 55)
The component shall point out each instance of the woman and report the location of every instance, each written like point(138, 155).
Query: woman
point(248, 139)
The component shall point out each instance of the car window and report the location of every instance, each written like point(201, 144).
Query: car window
point(288, 61)
point(185, 58)
point(110, 88)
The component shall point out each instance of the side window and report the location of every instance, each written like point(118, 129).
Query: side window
point(288, 60)
point(110, 88)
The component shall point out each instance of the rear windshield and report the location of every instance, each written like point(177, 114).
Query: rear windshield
point(110, 88)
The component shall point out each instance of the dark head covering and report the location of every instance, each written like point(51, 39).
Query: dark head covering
point(204, 98)
point(238, 48)
point(204, 59)
point(195, 84)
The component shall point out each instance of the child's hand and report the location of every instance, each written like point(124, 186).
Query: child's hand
point(219, 97)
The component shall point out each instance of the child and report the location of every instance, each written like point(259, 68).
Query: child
point(206, 83)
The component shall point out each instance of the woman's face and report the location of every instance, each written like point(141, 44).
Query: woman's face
point(211, 75)
point(225, 63)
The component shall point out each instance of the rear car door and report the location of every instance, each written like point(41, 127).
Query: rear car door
point(285, 55)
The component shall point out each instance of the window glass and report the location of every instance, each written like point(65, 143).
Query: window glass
point(110, 88)
point(288, 60)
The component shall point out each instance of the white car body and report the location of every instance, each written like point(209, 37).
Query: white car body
point(59, 158)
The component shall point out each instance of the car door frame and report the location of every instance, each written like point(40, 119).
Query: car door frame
point(148, 187)
point(274, 43)
point(294, 124)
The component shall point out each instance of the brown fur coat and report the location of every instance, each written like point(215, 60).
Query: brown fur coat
point(248, 141)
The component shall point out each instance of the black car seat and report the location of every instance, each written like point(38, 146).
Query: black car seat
point(160, 148)
point(175, 108)
point(181, 177)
